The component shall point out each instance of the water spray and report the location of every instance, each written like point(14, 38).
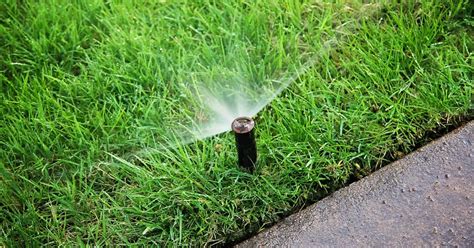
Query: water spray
point(245, 141)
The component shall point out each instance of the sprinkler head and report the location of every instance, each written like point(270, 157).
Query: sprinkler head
point(245, 141)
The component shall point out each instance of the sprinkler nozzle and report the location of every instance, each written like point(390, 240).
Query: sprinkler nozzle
point(245, 142)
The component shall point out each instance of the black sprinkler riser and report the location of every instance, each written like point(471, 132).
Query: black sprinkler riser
point(243, 128)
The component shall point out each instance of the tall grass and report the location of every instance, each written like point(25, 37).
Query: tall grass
point(89, 89)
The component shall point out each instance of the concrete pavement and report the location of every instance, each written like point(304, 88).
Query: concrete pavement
point(422, 200)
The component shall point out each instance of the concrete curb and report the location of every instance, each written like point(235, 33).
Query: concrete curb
point(423, 199)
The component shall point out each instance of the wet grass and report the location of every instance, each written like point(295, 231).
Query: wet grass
point(88, 86)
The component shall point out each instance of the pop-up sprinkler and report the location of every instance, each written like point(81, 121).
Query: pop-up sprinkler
point(245, 142)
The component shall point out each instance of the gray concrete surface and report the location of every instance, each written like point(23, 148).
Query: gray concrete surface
point(423, 200)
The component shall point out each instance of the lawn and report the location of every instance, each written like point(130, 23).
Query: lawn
point(94, 92)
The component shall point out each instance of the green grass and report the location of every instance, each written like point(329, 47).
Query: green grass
point(87, 86)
